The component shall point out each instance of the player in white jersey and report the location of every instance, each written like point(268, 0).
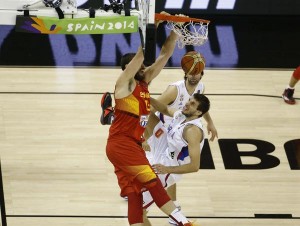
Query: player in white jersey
point(175, 96)
point(178, 93)
point(175, 150)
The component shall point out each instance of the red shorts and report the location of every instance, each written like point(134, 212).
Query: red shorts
point(131, 165)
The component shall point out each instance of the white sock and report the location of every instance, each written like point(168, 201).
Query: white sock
point(177, 204)
point(178, 216)
point(290, 87)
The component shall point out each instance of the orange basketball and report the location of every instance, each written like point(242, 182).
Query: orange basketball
point(193, 63)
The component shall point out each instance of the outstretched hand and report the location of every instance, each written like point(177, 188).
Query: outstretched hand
point(211, 129)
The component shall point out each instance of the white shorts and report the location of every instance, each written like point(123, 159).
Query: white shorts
point(159, 155)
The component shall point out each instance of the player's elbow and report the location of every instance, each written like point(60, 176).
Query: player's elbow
point(195, 168)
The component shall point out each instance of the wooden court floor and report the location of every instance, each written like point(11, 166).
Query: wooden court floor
point(55, 171)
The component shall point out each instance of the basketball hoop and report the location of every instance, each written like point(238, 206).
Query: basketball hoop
point(191, 31)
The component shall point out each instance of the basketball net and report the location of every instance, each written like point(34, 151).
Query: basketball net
point(190, 33)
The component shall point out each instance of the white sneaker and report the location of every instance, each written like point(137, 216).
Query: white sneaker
point(171, 221)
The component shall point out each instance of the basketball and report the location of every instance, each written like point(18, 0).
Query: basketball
point(193, 63)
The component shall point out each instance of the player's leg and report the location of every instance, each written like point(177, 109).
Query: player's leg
point(288, 94)
point(166, 205)
point(295, 78)
point(161, 199)
point(131, 177)
point(172, 192)
point(135, 209)
point(134, 173)
point(145, 218)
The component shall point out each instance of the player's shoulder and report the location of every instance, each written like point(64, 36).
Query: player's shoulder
point(193, 129)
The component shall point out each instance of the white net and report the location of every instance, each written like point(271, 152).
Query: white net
point(191, 33)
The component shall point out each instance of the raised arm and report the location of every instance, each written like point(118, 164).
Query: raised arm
point(169, 95)
point(166, 52)
point(125, 83)
point(211, 129)
point(163, 108)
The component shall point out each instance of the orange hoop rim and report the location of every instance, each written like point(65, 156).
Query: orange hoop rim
point(173, 18)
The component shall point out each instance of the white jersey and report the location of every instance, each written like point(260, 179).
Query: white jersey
point(169, 148)
point(177, 146)
point(182, 97)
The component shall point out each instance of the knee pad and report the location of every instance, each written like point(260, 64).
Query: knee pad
point(158, 193)
point(151, 183)
point(135, 208)
point(296, 73)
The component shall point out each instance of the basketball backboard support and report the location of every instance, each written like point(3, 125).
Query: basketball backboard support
point(144, 10)
point(150, 34)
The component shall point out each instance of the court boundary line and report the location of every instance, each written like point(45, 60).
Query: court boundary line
point(263, 216)
point(154, 94)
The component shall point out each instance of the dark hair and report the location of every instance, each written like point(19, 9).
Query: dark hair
point(204, 103)
point(126, 58)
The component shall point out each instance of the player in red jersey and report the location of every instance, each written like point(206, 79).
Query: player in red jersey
point(124, 144)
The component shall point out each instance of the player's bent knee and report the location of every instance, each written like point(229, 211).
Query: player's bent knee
point(150, 184)
point(158, 193)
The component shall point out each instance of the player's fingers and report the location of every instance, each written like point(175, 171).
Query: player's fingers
point(165, 13)
point(213, 135)
point(157, 168)
point(154, 169)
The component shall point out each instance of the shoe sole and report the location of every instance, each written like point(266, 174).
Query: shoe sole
point(286, 100)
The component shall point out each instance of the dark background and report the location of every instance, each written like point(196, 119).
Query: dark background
point(254, 34)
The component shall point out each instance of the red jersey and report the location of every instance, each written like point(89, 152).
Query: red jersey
point(131, 114)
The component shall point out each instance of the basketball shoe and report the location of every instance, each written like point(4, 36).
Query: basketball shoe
point(288, 96)
point(107, 115)
point(171, 221)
